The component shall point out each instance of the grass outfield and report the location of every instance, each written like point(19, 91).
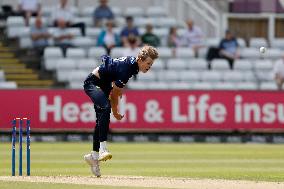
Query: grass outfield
point(259, 162)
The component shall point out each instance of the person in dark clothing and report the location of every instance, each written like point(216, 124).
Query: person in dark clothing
point(104, 87)
point(229, 48)
point(149, 38)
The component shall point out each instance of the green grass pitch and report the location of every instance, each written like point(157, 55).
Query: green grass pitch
point(260, 162)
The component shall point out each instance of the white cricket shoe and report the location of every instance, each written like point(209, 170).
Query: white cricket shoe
point(94, 164)
point(104, 155)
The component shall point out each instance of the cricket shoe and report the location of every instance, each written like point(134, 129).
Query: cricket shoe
point(94, 164)
point(104, 155)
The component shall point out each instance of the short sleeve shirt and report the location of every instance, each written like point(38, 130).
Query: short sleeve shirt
point(117, 70)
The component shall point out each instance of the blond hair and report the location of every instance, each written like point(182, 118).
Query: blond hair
point(148, 51)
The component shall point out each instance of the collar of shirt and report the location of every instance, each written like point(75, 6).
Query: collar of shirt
point(134, 65)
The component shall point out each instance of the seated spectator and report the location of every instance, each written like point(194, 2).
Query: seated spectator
point(108, 38)
point(129, 30)
point(193, 37)
point(40, 36)
point(149, 38)
point(278, 71)
point(63, 37)
point(173, 39)
point(229, 48)
point(62, 12)
point(102, 12)
point(133, 48)
point(29, 8)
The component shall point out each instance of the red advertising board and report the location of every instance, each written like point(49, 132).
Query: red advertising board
point(147, 110)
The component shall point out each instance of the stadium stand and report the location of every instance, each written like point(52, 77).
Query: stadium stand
point(175, 64)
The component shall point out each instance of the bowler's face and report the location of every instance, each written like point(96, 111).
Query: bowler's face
point(145, 65)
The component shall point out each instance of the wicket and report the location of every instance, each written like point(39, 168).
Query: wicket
point(21, 122)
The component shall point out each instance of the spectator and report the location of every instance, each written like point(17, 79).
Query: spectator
point(62, 36)
point(62, 12)
point(29, 8)
point(133, 48)
point(228, 48)
point(278, 71)
point(108, 38)
point(102, 12)
point(173, 39)
point(129, 30)
point(193, 37)
point(40, 36)
point(149, 38)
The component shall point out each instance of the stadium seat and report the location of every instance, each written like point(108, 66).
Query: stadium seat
point(156, 12)
point(211, 76)
point(88, 21)
point(168, 75)
point(134, 11)
point(15, 21)
point(220, 64)
point(117, 52)
point(212, 42)
point(268, 86)
point(75, 85)
point(197, 64)
point(87, 64)
point(66, 64)
point(15, 32)
point(164, 52)
point(246, 86)
point(142, 22)
point(263, 65)
point(84, 42)
point(177, 64)
point(242, 64)
point(93, 32)
point(233, 76)
point(278, 43)
point(179, 86)
point(184, 52)
point(53, 53)
point(157, 86)
point(166, 22)
point(25, 43)
point(137, 85)
point(250, 53)
point(202, 86)
point(249, 76)
point(8, 85)
point(76, 32)
point(273, 53)
point(241, 42)
point(189, 76)
point(77, 76)
point(75, 53)
point(87, 11)
point(96, 52)
point(150, 76)
point(116, 11)
point(265, 75)
point(158, 65)
point(257, 42)
point(224, 86)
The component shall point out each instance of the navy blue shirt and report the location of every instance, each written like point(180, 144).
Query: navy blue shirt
point(118, 70)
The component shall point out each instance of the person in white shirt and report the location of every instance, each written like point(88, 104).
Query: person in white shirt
point(278, 71)
point(62, 36)
point(193, 37)
point(29, 8)
point(62, 12)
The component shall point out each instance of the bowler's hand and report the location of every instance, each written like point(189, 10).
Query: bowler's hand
point(118, 116)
